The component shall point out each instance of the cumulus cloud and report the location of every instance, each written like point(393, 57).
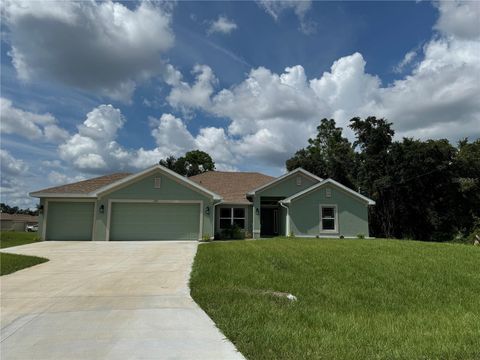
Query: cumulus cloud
point(459, 18)
point(300, 8)
point(98, 46)
point(193, 96)
point(271, 115)
point(29, 125)
point(222, 25)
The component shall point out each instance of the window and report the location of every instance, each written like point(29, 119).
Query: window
point(157, 182)
point(299, 180)
point(328, 221)
point(231, 216)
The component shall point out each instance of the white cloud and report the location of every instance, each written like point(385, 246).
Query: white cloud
point(299, 7)
point(59, 178)
point(222, 25)
point(29, 125)
point(271, 115)
point(460, 19)
point(194, 96)
point(407, 60)
point(10, 165)
point(98, 46)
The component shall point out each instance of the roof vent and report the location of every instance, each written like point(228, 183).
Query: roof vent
point(158, 183)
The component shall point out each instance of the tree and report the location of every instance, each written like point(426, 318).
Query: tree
point(328, 155)
point(373, 141)
point(192, 163)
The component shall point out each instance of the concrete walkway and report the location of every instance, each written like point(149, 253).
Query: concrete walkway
point(107, 300)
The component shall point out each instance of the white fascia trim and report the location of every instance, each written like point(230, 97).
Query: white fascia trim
point(328, 181)
point(173, 174)
point(280, 178)
point(61, 195)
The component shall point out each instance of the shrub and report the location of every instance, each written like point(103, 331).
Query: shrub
point(342, 237)
point(233, 232)
point(292, 235)
point(206, 237)
point(360, 236)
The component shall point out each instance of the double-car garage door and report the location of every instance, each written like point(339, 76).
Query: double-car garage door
point(128, 221)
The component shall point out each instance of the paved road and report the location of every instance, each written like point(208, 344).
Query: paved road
point(107, 300)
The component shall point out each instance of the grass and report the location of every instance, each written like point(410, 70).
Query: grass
point(16, 238)
point(357, 299)
point(9, 263)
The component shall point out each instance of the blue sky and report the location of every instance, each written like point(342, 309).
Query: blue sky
point(91, 88)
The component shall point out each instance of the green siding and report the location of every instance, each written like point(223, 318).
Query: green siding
point(284, 188)
point(69, 220)
point(305, 213)
point(143, 189)
point(153, 221)
point(288, 186)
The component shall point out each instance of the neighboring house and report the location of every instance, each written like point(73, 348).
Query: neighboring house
point(16, 222)
point(159, 204)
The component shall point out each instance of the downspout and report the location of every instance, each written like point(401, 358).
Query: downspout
point(287, 225)
point(214, 219)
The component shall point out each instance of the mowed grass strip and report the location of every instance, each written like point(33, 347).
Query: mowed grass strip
point(16, 238)
point(357, 299)
point(9, 263)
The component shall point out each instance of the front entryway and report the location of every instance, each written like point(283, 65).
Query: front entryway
point(269, 225)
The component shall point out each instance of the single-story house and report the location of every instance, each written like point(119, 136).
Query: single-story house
point(16, 222)
point(159, 204)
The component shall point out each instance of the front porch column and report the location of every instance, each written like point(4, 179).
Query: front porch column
point(256, 217)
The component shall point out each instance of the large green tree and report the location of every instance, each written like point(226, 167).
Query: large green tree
point(192, 163)
point(328, 155)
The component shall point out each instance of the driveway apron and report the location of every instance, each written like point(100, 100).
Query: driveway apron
point(107, 300)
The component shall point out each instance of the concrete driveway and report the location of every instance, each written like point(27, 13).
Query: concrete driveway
point(107, 300)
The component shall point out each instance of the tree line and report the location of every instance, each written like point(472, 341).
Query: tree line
point(426, 190)
point(4, 208)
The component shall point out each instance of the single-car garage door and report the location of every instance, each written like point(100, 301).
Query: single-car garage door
point(69, 220)
point(154, 221)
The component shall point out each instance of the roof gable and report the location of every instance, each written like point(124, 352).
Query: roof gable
point(284, 177)
point(102, 185)
point(331, 182)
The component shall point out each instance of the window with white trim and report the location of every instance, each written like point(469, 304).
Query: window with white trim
point(231, 216)
point(328, 218)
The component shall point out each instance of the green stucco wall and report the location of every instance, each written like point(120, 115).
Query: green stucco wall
point(283, 189)
point(143, 189)
point(305, 213)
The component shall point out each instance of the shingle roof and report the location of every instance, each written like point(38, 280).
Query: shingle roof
point(18, 217)
point(85, 186)
point(232, 186)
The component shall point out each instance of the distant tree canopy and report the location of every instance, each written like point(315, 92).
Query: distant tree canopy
point(192, 163)
point(4, 208)
point(426, 190)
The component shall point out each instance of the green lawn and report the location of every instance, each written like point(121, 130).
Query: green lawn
point(15, 238)
point(357, 299)
point(10, 263)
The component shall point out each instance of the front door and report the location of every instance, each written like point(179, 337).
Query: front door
point(269, 222)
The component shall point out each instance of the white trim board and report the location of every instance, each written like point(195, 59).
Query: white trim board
point(284, 177)
point(111, 201)
point(325, 182)
point(173, 175)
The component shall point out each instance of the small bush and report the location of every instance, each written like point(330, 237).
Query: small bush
point(292, 235)
point(342, 237)
point(360, 236)
point(206, 238)
point(233, 232)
